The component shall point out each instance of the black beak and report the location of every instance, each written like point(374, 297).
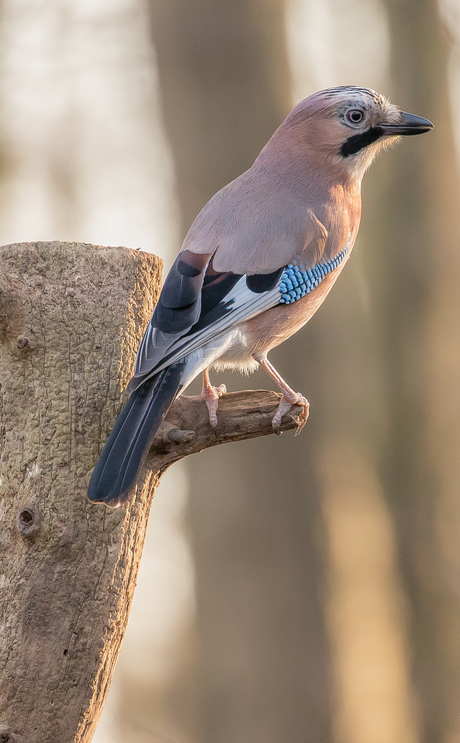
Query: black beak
point(409, 124)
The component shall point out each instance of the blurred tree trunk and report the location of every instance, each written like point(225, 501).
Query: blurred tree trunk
point(263, 659)
point(416, 282)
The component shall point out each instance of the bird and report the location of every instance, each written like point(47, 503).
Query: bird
point(255, 265)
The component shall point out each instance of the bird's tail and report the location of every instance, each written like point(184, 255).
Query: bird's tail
point(129, 442)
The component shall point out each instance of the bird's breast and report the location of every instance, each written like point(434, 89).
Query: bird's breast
point(301, 290)
point(270, 328)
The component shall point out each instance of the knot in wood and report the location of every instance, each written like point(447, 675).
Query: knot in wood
point(28, 525)
point(6, 735)
point(177, 436)
point(22, 342)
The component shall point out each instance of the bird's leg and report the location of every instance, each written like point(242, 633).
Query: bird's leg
point(211, 395)
point(289, 398)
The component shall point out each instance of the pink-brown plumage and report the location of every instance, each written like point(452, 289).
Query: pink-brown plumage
point(256, 264)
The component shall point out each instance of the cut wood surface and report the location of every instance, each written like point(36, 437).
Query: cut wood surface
point(71, 318)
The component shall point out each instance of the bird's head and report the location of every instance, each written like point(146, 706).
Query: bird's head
point(348, 126)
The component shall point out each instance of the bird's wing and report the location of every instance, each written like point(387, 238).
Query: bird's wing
point(196, 304)
point(255, 225)
point(199, 303)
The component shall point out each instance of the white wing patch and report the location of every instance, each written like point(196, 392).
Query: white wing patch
point(245, 305)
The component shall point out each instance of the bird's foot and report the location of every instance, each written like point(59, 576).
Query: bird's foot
point(210, 395)
point(289, 398)
point(288, 401)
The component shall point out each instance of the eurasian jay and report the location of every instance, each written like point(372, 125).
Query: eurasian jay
point(256, 264)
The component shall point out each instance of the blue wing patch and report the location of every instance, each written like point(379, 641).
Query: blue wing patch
point(296, 283)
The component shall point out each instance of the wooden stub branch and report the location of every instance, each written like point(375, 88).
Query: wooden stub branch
point(71, 318)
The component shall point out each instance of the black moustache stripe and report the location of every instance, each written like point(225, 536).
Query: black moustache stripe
point(358, 142)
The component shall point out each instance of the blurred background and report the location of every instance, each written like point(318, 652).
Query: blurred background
point(303, 590)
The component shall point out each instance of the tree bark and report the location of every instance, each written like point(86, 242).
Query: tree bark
point(71, 318)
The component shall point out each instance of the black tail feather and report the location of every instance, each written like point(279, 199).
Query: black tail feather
point(132, 435)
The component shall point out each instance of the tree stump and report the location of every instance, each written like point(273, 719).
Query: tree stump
point(71, 318)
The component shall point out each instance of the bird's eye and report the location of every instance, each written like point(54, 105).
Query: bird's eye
point(355, 116)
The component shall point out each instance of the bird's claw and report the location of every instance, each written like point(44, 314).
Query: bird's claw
point(210, 395)
point(286, 403)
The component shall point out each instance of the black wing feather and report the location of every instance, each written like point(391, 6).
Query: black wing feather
point(179, 304)
point(194, 297)
point(263, 282)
